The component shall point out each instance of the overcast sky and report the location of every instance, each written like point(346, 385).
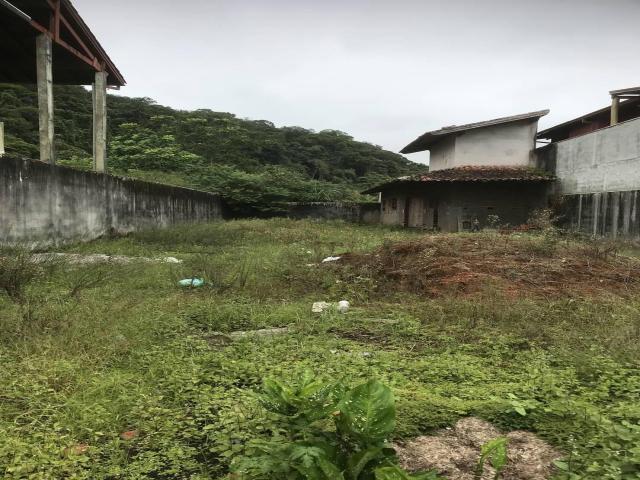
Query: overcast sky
point(382, 71)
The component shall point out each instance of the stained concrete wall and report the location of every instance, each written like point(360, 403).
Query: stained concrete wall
point(442, 154)
point(598, 179)
point(606, 160)
point(368, 213)
point(456, 205)
point(44, 204)
point(614, 214)
point(509, 144)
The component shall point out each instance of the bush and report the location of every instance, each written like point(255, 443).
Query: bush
point(356, 448)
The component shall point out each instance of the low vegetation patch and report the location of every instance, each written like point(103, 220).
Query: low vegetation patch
point(515, 265)
point(114, 371)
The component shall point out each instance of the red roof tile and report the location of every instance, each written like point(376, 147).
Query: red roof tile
point(473, 174)
point(483, 174)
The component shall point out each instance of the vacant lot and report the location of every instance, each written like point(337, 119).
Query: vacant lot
point(114, 371)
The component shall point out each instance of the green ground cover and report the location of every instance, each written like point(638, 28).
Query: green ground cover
point(131, 352)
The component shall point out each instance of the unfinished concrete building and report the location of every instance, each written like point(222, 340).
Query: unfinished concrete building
point(479, 173)
point(596, 159)
point(46, 42)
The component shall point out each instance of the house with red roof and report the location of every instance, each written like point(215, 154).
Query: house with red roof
point(479, 174)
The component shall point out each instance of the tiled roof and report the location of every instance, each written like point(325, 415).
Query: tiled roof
point(483, 174)
point(472, 174)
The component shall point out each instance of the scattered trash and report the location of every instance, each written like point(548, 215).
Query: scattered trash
point(191, 282)
point(170, 260)
point(331, 259)
point(343, 306)
point(319, 307)
point(366, 354)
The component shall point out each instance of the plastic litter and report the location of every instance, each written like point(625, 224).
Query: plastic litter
point(331, 259)
point(319, 307)
point(343, 306)
point(191, 282)
point(171, 260)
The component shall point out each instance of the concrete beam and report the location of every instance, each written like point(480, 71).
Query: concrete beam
point(44, 59)
point(100, 122)
point(1, 139)
point(615, 107)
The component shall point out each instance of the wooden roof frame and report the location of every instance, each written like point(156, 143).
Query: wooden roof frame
point(67, 30)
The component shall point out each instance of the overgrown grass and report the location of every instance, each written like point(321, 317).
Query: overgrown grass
point(133, 352)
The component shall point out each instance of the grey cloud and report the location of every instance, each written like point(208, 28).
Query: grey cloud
point(383, 71)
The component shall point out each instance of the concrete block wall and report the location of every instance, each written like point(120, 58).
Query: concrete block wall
point(44, 204)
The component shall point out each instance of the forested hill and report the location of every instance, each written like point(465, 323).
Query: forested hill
point(250, 161)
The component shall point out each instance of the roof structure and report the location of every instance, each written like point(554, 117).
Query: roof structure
point(625, 91)
point(424, 141)
point(76, 51)
point(627, 110)
point(470, 174)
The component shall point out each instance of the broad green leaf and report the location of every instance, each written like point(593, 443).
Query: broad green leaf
point(312, 462)
point(367, 413)
point(396, 473)
point(358, 461)
point(563, 466)
point(520, 410)
point(496, 451)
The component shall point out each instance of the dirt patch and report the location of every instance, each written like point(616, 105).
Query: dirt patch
point(527, 265)
point(454, 453)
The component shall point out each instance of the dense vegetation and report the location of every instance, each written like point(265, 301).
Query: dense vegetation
point(114, 371)
point(250, 161)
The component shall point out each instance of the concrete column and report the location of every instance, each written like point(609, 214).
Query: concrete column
point(100, 122)
point(1, 139)
point(615, 106)
point(44, 57)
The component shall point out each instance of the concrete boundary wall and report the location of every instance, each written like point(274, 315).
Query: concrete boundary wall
point(349, 211)
point(606, 160)
point(598, 180)
point(612, 214)
point(45, 204)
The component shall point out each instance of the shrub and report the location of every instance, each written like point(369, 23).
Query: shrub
point(306, 449)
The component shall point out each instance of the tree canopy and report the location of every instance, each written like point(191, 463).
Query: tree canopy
point(253, 163)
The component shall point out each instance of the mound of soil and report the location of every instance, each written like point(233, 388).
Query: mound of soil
point(454, 453)
point(515, 265)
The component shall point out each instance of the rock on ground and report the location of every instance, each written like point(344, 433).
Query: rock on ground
point(454, 452)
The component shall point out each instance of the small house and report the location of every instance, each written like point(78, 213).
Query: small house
point(479, 173)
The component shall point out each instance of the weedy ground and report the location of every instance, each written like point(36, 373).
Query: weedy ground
point(115, 372)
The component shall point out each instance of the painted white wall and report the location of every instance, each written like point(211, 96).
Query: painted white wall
point(443, 154)
point(509, 144)
point(606, 160)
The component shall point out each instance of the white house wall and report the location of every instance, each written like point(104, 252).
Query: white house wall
point(508, 144)
point(443, 154)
